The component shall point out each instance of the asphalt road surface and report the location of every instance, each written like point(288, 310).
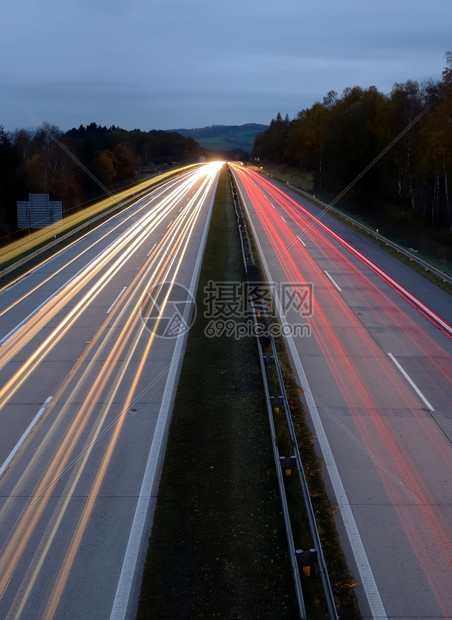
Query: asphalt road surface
point(371, 346)
point(91, 343)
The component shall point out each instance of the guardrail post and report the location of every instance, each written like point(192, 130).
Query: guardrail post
point(307, 560)
point(288, 463)
point(276, 402)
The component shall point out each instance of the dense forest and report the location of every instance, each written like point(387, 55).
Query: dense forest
point(47, 161)
point(403, 138)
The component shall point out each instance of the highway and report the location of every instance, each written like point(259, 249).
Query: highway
point(91, 343)
point(370, 344)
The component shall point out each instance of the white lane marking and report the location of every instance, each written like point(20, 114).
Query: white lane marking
point(149, 253)
point(284, 220)
point(30, 427)
point(120, 294)
point(333, 282)
point(411, 382)
point(301, 241)
point(124, 587)
point(367, 579)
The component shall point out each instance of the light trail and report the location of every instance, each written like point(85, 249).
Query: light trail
point(84, 404)
point(94, 492)
point(145, 206)
point(284, 200)
point(347, 353)
point(361, 283)
point(123, 248)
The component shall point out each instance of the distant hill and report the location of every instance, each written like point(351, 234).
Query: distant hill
point(224, 137)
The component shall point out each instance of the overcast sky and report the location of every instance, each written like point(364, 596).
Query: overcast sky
point(167, 64)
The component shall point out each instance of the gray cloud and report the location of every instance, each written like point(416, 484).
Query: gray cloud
point(169, 63)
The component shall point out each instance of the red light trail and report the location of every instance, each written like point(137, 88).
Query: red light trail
point(381, 404)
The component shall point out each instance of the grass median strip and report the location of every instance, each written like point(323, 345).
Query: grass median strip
point(218, 547)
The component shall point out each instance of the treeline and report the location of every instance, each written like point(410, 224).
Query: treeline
point(46, 161)
point(335, 140)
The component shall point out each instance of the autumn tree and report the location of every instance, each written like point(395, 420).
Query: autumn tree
point(125, 163)
point(306, 139)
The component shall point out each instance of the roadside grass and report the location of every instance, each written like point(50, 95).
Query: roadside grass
point(218, 546)
point(297, 178)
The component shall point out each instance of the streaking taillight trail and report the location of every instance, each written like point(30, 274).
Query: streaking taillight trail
point(277, 194)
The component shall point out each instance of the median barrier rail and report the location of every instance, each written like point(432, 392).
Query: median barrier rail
point(276, 404)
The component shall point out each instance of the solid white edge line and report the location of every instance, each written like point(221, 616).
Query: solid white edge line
point(119, 295)
point(30, 427)
point(368, 583)
point(333, 281)
point(124, 587)
point(411, 382)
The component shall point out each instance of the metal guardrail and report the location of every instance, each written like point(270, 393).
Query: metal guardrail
point(293, 556)
point(373, 233)
point(280, 402)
